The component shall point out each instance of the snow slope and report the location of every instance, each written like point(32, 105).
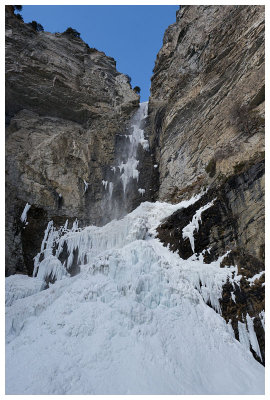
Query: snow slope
point(134, 321)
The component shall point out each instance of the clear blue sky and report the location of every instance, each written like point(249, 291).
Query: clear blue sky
point(132, 35)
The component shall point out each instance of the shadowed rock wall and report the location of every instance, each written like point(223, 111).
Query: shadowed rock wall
point(65, 105)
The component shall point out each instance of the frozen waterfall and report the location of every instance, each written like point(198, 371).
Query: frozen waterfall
point(126, 169)
point(135, 320)
point(129, 169)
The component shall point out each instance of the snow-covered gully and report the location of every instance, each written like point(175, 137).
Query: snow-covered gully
point(135, 320)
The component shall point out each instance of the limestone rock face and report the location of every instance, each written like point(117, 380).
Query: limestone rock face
point(206, 113)
point(207, 96)
point(65, 105)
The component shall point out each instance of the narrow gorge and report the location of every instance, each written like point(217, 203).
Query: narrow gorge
point(135, 231)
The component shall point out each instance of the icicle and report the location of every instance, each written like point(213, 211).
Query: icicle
point(24, 213)
point(188, 231)
point(110, 189)
point(51, 267)
point(46, 246)
point(243, 334)
point(75, 225)
point(253, 337)
point(247, 335)
point(104, 183)
point(230, 328)
point(86, 184)
point(262, 318)
point(65, 226)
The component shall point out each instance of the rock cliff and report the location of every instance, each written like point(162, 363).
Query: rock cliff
point(65, 105)
point(67, 108)
point(206, 113)
point(207, 96)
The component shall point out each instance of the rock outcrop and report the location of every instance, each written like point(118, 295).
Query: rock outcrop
point(206, 129)
point(65, 105)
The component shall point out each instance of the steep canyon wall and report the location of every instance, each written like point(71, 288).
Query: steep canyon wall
point(68, 110)
point(206, 129)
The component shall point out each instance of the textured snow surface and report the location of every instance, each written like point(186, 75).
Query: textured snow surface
point(20, 286)
point(133, 321)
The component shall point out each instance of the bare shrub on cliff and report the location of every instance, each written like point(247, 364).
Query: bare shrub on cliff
point(72, 32)
point(36, 26)
point(90, 49)
point(211, 167)
point(19, 16)
point(137, 89)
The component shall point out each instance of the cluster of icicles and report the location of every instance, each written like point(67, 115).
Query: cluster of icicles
point(96, 248)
